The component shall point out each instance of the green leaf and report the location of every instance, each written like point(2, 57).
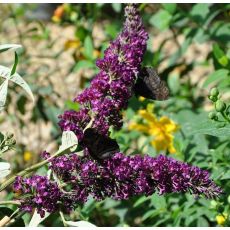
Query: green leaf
point(117, 7)
point(220, 55)
point(69, 141)
point(81, 33)
point(21, 102)
point(174, 82)
point(72, 105)
point(158, 202)
point(83, 64)
point(200, 12)
point(220, 31)
point(161, 19)
point(226, 176)
point(3, 93)
point(162, 220)
point(201, 36)
point(4, 169)
point(210, 128)
point(16, 78)
point(88, 48)
point(149, 214)
point(140, 201)
point(13, 70)
point(218, 173)
point(6, 47)
point(170, 7)
point(2, 137)
point(217, 76)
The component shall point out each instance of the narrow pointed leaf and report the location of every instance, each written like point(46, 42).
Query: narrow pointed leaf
point(6, 47)
point(16, 78)
point(13, 70)
point(3, 94)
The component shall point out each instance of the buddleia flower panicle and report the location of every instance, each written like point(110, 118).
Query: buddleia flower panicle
point(112, 87)
point(119, 177)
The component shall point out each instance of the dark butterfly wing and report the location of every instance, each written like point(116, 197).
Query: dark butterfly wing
point(100, 147)
point(149, 85)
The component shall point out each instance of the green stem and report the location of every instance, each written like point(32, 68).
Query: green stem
point(225, 117)
point(14, 213)
point(29, 170)
point(5, 202)
point(15, 218)
point(63, 219)
point(6, 220)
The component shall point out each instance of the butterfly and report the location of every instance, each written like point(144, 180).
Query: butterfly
point(100, 147)
point(149, 85)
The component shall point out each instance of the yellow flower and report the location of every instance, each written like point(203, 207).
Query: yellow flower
point(220, 219)
point(160, 129)
point(27, 156)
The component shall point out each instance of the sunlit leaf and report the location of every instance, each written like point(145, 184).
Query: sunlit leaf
point(4, 169)
point(16, 78)
point(79, 224)
point(6, 47)
point(3, 94)
point(220, 55)
point(37, 219)
point(69, 141)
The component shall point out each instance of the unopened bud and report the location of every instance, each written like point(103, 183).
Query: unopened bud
point(214, 92)
point(220, 106)
point(13, 141)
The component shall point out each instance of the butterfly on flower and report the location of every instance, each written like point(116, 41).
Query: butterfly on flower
point(149, 85)
point(100, 147)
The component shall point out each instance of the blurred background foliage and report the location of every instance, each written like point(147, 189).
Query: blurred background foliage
point(189, 44)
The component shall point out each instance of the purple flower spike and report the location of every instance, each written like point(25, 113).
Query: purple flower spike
point(112, 87)
point(120, 177)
